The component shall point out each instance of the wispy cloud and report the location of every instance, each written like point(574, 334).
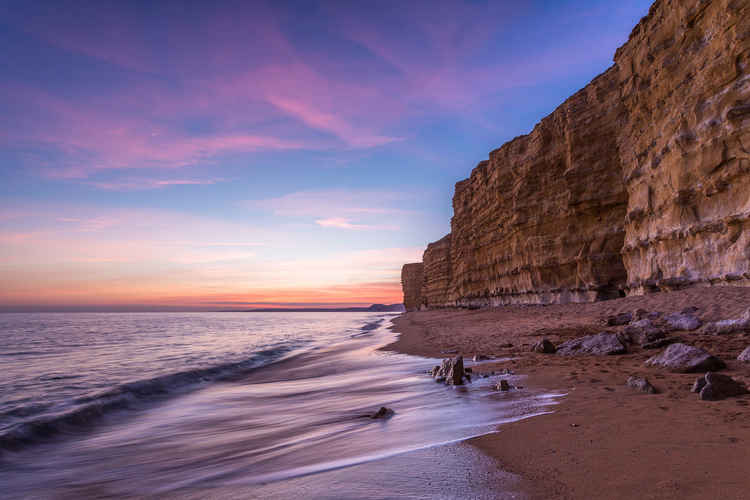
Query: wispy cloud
point(137, 184)
point(344, 223)
point(335, 202)
point(359, 210)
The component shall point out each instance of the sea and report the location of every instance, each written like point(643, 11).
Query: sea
point(238, 405)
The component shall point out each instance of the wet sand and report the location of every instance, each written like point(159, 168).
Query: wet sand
point(605, 440)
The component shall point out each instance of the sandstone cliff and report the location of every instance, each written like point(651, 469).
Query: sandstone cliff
point(639, 182)
point(412, 276)
point(685, 146)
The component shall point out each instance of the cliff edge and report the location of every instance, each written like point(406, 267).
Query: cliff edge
point(639, 182)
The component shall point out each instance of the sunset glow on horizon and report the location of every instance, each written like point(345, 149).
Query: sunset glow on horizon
point(261, 154)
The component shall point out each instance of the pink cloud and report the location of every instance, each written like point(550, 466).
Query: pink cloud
point(330, 122)
point(344, 223)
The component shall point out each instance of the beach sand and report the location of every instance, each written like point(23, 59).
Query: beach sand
point(605, 440)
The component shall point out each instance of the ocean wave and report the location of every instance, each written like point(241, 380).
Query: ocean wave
point(86, 410)
point(368, 327)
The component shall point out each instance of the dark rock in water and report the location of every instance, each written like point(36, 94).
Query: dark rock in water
point(503, 385)
point(682, 358)
point(383, 412)
point(468, 370)
point(450, 371)
point(745, 355)
point(544, 346)
point(641, 384)
point(715, 386)
point(683, 321)
point(620, 319)
point(643, 331)
point(456, 374)
point(599, 345)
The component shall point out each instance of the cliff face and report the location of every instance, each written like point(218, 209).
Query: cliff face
point(686, 145)
point(543, 219)
point(437, 273)
point(638, 182)
point(412, 277)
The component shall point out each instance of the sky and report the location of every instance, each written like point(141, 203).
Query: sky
point(214, 155)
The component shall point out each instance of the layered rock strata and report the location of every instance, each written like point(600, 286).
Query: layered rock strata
point(639, 182)
point(685, 145)
point(437, 273)
point(412, 277)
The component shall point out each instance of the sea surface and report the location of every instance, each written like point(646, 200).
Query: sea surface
point(237, 405)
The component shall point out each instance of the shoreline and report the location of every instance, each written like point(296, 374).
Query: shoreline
point(604, 440)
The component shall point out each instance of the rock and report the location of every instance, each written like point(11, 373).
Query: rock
point(502, 385)
point(643, 331)
point(745, 355)
point(620, 319)
point(715, 386)
point(682, 358)
point(599, 345)
point(640, 314)
point(544, 346)
point(699, 384)
point(657, 344)
point(727, 326)
point(456, 375)
point(412, 277)
point(641, 384)
point(451, 371)
point(654, 315)
point(683, 321)
point(383, 412)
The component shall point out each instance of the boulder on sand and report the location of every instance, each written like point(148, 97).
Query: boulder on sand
point(683, 358)
point(643, 331)
point(726, 326)
point(620, 319)
point(641, 384)
point(544, 346)
point(684, 320)
point(715, 386)
point(600, 344)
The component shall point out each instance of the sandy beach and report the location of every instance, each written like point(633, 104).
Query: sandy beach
point(606, 440)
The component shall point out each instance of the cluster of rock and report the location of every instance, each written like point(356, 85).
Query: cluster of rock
point(451, 371)
point(636, 183)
